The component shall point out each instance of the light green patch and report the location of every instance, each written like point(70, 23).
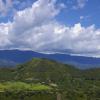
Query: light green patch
point(21, 86)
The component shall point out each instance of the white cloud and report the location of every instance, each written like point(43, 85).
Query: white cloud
point(35, 28)
point(80, 4)
point(81, 17)
point(41, 12)
point(4, 41)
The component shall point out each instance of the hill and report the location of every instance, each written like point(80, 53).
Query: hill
point(45, 70)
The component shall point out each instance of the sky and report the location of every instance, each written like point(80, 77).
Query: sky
point(51, 26)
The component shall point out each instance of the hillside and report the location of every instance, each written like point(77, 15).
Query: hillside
point(6, 74)
point(93, 73)
point(45, 70)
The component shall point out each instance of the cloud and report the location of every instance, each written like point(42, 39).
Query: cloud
point(80, 4)
point(4, 41)
point(41, 12)
point(73, 40)
point(81, 17)
point(5, 7)
point(35, 28)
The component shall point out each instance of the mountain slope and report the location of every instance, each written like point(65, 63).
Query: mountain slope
point(6, 74)
point(45, 70)
point(93, 73)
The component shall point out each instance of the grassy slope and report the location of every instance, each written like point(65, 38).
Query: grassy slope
point(21, 86)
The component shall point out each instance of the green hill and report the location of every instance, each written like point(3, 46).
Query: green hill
point(44, 70)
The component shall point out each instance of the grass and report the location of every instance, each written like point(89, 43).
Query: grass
point(21, 86)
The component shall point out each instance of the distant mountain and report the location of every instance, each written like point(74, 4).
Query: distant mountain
point(13, 57)
point(7, 63)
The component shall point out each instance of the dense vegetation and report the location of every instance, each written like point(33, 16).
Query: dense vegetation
point(52, 77)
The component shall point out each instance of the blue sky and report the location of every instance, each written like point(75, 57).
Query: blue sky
point(90, 13)
point(50, 26)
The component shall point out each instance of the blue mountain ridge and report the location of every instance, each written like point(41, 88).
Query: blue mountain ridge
point(14, 57)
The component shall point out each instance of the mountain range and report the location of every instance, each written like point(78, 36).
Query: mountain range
point(13, 57)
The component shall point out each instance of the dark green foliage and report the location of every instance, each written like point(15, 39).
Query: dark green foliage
point(6, 74)
point(92, 74)
point(27, 96)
